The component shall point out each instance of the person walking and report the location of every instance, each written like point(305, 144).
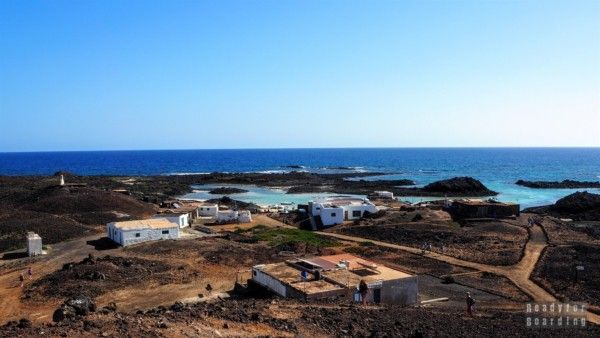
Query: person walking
point(363, 290)
point(30, 272)
point(470, 304)
point(21, 279)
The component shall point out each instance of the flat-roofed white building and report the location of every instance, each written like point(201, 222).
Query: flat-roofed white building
point(337, 276)
point(336, 210)
point(34, 244)
point(181, 219)
point(138, 231)
point(237, 216)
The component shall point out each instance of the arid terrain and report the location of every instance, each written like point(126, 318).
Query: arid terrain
point(196, 285)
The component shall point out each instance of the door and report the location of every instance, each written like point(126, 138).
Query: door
point(377, 296)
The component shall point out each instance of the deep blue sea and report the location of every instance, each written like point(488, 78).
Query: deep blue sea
point(498, 168)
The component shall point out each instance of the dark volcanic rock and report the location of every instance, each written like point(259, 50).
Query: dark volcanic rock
point(227, 191)
point(566, 184)
point(460, 185)
point(580, 206)
point(76, 306)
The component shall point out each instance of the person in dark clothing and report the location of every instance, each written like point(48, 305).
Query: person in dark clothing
point(363, 289)
point(470, 304)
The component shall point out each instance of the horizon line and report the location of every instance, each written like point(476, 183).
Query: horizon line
point(302, 148)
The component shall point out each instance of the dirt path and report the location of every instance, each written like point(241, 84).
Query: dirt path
point(519, 273)
point(11, 306)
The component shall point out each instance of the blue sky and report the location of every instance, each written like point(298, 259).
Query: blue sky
point(94, 75)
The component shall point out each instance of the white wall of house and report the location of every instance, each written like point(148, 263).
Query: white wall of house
point(208, 210)
point(180, 219)
point(384, 194)
point(125, 237)
point(269, 282)
point(357, 211)
point(332, 216)
point(242, 216)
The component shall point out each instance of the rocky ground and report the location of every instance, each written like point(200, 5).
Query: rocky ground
point(571, 244)
point(556, 272)
point(287, 318)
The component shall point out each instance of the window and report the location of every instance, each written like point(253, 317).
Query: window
point(137, 234)
point(333, 214)
point(165, 232)
point(356, 213)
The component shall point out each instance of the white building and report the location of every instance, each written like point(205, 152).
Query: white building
point(383, 194)
point(336, 210)
point(208, 210)
point(34, 244)
point(181, 219)
point(233, 216)
point(132, 232)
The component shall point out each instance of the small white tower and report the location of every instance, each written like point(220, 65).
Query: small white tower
point(62, 180)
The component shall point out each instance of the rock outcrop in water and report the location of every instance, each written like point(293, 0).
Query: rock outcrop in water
point(227, 191)
point(566, 184)
point(466, 186)
point(580, 206)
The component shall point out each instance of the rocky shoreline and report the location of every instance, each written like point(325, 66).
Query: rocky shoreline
point(565, 184)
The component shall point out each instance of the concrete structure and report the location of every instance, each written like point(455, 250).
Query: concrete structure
point(34, 244)
point(336, 210)
point(337, 276)
point(132, 232)
point(474, 208)
point(233, 216)
point(181, 219)
point(208, 210)
point(382, 195)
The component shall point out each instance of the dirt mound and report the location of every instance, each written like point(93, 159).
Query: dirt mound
point(460, 185)
point(93, 277)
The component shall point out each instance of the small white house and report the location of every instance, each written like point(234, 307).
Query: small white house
point(178, 218)
point(34, 244)
point(132, 232)
point(233, 216)
point(336, 210)
point(208, 210)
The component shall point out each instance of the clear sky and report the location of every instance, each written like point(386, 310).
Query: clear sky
point(94, 75)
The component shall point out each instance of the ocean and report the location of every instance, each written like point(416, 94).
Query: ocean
point(497, 168)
